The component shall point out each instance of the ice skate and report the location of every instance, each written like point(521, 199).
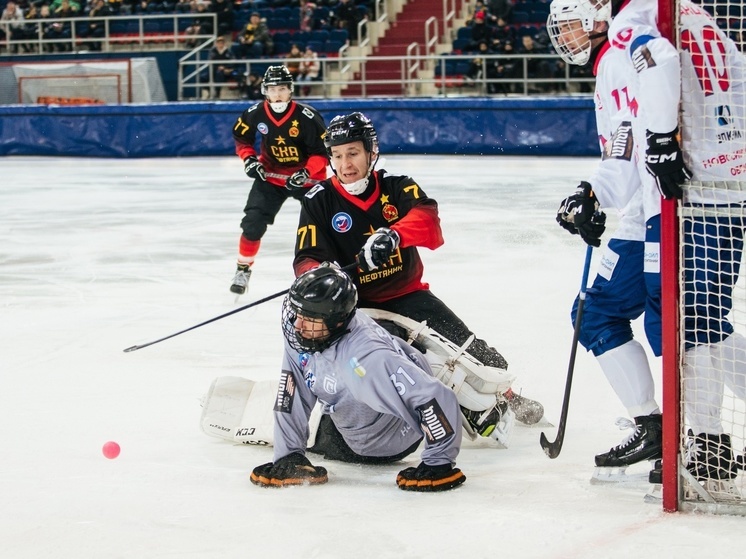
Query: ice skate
point(527, 411)
point(644, 443)
point(710, 461)
point(241, 279)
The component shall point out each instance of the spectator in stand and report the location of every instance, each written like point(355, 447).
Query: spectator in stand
point(16, 28)
point(250, 86)
point(478, 7)
point(201, 23)
point(500, 11)
point(97, 29)
point(293, 60)
point(345, 15)
point(221, 73)
point(535, 68)
point(224, 11)
point(116, 6)
point(183, 7)
point(255, 40)
point(481, 32)
point(307, 15)
point(147, 7)
point(310, 67)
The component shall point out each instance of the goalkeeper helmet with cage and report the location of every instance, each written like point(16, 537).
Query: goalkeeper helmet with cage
point(318, 308)
point(346, 129)
point(274, 76)
point(570, 27)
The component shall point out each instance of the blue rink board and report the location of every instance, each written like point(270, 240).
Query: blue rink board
point(465, 126)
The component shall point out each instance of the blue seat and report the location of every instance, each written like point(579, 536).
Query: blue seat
point(316, 46)
point(332, 46)
point(464, 33)
point(338, 35)
point(460, 44)
point(320, 35)
point(520, 17)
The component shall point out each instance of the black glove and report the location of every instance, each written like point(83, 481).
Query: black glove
point(665, 162)
point(297, 180)
point(378, 249)
point(579, 214)
point(430, 478)
point(293, 469)
point(254, 169)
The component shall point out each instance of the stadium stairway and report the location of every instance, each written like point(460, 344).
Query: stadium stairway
point(409, 27)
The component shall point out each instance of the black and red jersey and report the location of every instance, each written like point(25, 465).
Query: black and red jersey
point(289, 142)
point(334, 225)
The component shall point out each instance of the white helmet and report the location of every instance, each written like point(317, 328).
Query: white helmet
point(573, 42)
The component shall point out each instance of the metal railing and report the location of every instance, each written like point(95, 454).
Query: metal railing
point(135, 31)
point(420, 75)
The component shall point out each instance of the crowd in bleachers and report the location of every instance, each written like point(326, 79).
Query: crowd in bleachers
point(326, 24)
point(498, 28)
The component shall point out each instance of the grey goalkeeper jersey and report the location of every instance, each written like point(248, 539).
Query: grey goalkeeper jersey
point(378, 390)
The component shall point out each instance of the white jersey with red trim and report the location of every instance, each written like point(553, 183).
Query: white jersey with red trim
point(713, 99)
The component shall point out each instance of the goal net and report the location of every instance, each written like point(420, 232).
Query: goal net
point(704, 304)
point(135, 80)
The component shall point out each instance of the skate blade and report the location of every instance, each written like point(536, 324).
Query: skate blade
point(654, 495)
point(606, 475)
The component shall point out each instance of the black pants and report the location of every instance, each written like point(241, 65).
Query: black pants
point(423, 305)
point(262, 206)
point(331, 444)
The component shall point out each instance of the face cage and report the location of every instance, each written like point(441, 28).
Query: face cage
point(305, 345)
point(578, 51)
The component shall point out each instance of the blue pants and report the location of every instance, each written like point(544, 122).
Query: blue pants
point(713, 247)
point(627, 291)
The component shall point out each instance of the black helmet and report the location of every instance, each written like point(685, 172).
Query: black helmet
point(277, 75)
point(350, 128)
point(325, 293)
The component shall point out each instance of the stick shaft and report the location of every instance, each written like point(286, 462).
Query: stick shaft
point(552, 449)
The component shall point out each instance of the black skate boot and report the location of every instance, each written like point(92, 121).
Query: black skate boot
point(711, 462)
point(526, 411)
point(644, 444)
point(241, 279)
point(711, 457)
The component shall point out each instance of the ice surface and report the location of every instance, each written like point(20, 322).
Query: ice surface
point(97, 255)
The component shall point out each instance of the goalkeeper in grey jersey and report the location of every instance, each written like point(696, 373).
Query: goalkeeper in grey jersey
point(378, 394)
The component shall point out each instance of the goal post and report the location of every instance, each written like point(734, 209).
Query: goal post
point(88, 81)
point(703, 294)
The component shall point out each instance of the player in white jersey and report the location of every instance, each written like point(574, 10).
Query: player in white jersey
point(625, 285)
point(712, 103)
point(378, 394)
point(655, 87)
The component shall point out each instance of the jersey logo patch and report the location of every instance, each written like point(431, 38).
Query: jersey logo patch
point(621, 145)
point(308, 112)
point(310, 378)
point(434, 422)
point(341, 222)
point(357, 368)
point(389, 212)
point(303, 359)
point(642, 59)
point(262, 128)
point(285, 392)
point(330, 385)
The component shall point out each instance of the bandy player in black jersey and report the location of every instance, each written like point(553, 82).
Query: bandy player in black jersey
point(291, 157)
point(389, 217)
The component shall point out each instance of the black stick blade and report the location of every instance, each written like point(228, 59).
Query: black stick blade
point(553, 449)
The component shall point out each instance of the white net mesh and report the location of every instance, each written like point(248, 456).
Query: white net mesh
point(712, 224)
point(134, 80)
